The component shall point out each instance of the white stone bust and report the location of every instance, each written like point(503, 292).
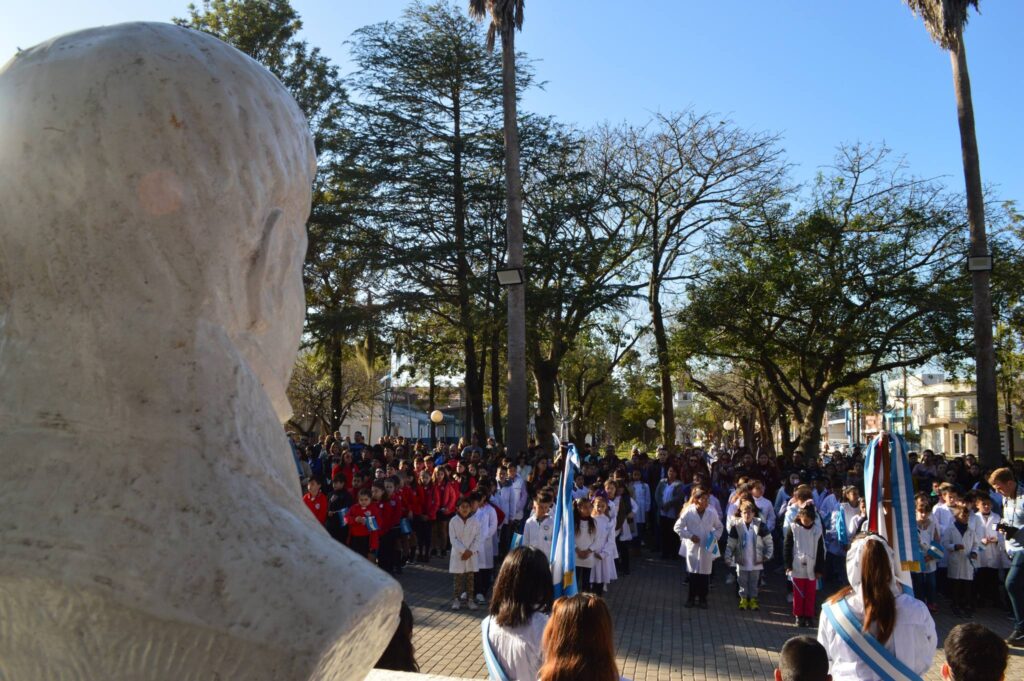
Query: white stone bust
point(154, 184)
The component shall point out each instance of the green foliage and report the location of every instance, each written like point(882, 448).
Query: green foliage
point(867, 278)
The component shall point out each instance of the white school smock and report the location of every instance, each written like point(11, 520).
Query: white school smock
point(991, 555)
point(585, 539)
point(604, 545)
point(913, 640)
point(767, 512)
point(691, 523)
point(518, 649)
point(805, 551)
point(925, 537)
point(642, 496)
point(537, 533)
point(488, 519)
point(959, 562)
point(464, 536)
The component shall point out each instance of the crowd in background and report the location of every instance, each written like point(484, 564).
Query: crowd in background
point(401, 502)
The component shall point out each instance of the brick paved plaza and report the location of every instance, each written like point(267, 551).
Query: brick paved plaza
point(656, 638)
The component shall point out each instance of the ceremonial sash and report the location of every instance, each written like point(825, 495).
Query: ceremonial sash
point(868, 648)
point(490, 659)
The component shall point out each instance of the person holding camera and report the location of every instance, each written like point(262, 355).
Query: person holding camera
point(1012, 527)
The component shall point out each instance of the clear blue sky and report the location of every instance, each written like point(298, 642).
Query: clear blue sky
point(819, 72)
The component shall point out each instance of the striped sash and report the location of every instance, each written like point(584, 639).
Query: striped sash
point(490, 659)
point(881, 660)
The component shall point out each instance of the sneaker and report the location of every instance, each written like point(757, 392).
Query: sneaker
point(743, 604)
point(456, 604)
point(1016, 638)
point(473, 605)
point(799, 622)
point(480, 599)
point(752, 604)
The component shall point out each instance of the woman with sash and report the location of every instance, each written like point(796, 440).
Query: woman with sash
point(511, 635)
point(872, 629)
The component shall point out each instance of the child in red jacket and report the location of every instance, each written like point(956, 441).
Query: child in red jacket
point(391, 516)
point(315, 500)
point(363, 521)
point(425, 514)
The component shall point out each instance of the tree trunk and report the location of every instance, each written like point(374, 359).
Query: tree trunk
point(516, 437)
point(668, 417)
point(496, 387)
point(479, 415)
point(787, 441)
point(334, 350)
point(810, 427)
point(545, 377)
point(473, 391)
point(988, 412)
point(767, 442)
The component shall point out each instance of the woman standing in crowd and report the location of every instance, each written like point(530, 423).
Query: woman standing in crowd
point(513, 631)
point(669, 498)
point(872, 620)
point(578, 644)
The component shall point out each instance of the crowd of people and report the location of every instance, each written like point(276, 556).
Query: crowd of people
point(400, 502)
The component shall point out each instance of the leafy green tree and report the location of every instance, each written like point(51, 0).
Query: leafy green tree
point(868, 278)
point(430, 110)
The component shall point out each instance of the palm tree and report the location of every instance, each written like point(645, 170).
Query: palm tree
point(506, 18)
point(945, 21)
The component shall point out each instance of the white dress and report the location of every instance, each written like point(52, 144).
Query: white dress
point(518, 649)
point(913, 640)
point(604, 544)
point(464, 536)
point(959, 563)
point(585, 540)
point(691, 523)
point(488, 519)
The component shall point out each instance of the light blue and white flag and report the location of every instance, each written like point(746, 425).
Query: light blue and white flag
point(563, 535)
point(894, 483)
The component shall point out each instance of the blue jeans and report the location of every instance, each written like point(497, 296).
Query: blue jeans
point(924, 586)
point(1015, 589)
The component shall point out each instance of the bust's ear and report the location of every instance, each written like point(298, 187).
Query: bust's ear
point(268, 266)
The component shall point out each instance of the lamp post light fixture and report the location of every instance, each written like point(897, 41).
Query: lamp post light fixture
point(512, 276)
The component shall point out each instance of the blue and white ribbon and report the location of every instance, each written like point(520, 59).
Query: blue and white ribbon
point(494, 669)
point(881, 660)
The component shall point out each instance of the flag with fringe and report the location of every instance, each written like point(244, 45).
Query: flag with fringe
point(889, 500)
point(563, 534)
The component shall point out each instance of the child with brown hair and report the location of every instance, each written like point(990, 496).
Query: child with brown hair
point(748, 548)
point(804, 561)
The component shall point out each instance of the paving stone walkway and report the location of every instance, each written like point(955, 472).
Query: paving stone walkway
point(655, 637)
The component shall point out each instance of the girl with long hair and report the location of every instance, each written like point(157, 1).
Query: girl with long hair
point(578, 644)
point(518, 614)
point(586, 538)
point(874, 606)
point(699, 529)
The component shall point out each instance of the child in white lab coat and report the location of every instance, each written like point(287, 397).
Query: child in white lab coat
point(464, 534)
point(960, 540)
point(699, 529)
point(488, 519)
point(603, 572)
point(539, 527)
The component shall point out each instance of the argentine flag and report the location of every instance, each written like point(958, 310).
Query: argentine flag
point(563, 536)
